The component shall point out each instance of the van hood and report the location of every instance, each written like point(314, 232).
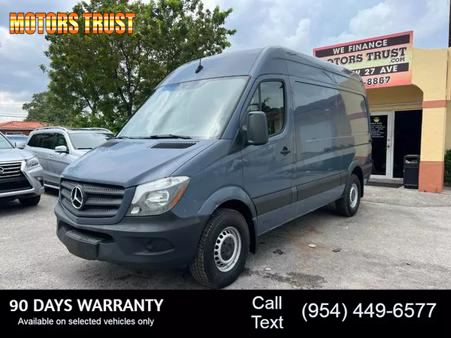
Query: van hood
point(129, 162)
point(14, 154)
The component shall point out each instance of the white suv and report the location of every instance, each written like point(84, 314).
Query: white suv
point(57, 147)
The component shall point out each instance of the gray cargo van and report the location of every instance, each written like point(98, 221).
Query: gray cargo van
point(225, 149)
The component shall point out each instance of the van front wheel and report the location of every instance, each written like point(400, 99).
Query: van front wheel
point(222, 251)
point(349, 203)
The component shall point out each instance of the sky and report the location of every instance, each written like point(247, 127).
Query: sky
point(298, 24)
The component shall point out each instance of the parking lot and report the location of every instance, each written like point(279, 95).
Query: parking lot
point(399, 239)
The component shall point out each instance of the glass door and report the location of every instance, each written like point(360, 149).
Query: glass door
point(382, 127)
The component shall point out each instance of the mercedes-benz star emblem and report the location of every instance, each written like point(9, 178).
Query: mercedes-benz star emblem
point(2, 170)
point(77, 197)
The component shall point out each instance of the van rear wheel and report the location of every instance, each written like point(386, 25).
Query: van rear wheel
point(222, 251)
point(350, 202)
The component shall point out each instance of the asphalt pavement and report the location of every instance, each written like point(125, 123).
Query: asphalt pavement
point(400, 239)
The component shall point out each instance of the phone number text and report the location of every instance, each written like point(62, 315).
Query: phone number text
point(371, 310)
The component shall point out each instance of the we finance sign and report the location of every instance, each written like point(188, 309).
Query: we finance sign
point(382, 61)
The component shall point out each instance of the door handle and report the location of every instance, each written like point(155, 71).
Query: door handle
point(285, 151)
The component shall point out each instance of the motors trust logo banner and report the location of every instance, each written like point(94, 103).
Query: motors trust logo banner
point(382, 61)
point(63, 23)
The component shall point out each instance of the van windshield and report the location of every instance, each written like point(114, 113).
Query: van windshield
point(195, 109)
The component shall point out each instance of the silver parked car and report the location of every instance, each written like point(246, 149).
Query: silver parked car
point(17, 138)
point(20, 174)
point(57, 147)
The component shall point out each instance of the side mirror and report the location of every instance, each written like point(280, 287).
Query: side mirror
point(19, 144)
point(61, 149)
point(257, 128)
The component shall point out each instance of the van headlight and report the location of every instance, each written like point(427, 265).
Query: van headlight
point(32, 162)
point(157, 197)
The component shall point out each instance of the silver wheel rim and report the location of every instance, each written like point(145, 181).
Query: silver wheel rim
point(354, 195)
point(227, 249)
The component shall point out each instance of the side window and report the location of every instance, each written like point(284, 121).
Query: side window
point(270, 99)
point(356, 112)
point(254, 105)
point(316, 112)
point(48, 141)
point(60, 140)
point(34, 140)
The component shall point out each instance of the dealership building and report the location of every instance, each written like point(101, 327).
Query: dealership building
point(409, 97)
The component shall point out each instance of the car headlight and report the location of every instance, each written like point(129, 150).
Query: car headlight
point(32, 162)
point(157, 197)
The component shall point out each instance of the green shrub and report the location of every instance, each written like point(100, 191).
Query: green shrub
point(448, 166)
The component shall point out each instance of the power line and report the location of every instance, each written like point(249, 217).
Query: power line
point(13, 115)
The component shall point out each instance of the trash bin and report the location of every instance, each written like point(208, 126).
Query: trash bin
point(411, 168)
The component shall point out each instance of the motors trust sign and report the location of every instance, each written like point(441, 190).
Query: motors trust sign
point(382, 61)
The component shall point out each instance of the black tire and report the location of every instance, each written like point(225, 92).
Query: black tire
point(207, 265)
point(346, 205)
point(30, 201)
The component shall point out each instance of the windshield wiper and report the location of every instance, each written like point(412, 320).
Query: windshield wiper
point(159, 136)
point(168, 136)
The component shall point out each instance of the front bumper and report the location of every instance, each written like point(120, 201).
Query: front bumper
point(34, 178)
point(156, 241)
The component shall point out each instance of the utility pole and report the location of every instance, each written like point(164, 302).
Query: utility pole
point(449, 23)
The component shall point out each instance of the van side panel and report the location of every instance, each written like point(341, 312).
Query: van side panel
point(320, 123)
point(219, 168)
point(357, 149)
point(331, 134)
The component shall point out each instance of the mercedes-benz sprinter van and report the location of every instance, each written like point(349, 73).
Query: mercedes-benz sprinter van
point(225, 149)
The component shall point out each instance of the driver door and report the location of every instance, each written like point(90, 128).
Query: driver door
point(268, 169)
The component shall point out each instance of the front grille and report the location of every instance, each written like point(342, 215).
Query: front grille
point(100, 201)
point(11, 178)
point(10, 169)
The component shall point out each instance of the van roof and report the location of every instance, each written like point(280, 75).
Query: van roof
point(269, 60)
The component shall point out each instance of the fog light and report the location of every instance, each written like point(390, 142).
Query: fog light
point(158, 245)
point(135, 210)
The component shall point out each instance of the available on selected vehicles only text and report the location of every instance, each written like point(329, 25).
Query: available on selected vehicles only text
point(223, 151)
